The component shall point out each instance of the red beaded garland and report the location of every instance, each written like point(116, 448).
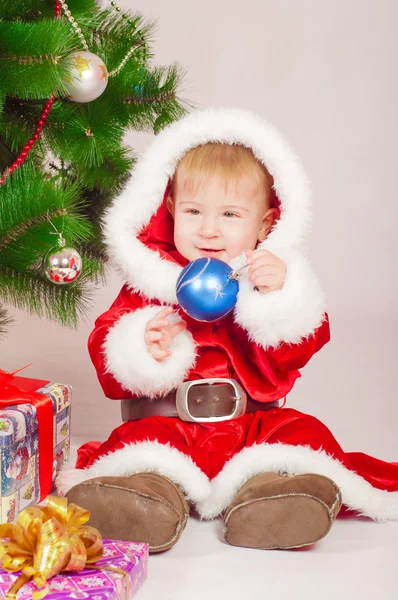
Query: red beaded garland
point(57, 9)
point(41, 122)
point(29, 145)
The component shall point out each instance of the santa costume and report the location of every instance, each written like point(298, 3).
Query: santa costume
point(271, 464)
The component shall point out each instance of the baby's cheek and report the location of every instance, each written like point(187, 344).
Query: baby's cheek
point(182, 234)
point(243, 242)
point(183, 229)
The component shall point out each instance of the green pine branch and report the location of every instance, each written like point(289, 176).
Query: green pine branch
point(151, 94)
point(116, 28)
point(34, 57)
point(109, 176)
point(5, 321)
point(94, 131)
point(32, 10)
point(28, 202)
point(32, 292)
point(79, 163)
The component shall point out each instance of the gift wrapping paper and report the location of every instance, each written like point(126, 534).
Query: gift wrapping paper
point(131, 557)
point(19, 455)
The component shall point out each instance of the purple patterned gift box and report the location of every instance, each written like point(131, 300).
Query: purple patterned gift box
point(131, 557)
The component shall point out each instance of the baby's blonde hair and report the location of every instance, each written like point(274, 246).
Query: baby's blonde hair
point(226, 161)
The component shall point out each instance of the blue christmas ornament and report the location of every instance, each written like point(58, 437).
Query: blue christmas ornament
point(205, 289)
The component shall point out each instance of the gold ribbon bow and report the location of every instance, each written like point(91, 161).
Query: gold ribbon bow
point(47, 540)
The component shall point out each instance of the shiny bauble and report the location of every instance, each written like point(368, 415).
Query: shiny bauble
point(205, 290)
point(62, 265)
point(87, 78)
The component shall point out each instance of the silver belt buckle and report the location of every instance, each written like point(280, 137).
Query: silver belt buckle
point(182, 401)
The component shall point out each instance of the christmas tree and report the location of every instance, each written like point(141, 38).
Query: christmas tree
point(73, 79)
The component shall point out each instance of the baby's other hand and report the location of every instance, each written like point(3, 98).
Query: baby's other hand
point(159, 333)
point(267, 272)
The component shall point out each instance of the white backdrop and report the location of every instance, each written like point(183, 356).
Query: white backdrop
point(326, 75)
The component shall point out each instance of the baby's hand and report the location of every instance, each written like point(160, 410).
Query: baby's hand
point(267, 272)
point(159, 333)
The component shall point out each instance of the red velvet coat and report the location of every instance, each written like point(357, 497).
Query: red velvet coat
point(264, 344)
point(223, 350)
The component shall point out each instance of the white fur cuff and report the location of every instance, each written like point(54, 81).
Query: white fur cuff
point(142, 457)
point(286, 315)
point(358, 495)
point(129, 361)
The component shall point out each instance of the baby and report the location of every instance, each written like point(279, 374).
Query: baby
point(203, 425)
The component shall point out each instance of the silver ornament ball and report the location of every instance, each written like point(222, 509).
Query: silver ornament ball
point(88, 77)
point(62, 265)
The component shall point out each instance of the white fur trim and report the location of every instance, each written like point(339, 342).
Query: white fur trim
point(357, 494)
point(129, 361)
point(286, 315)
point(144, 269)
point(142, 457)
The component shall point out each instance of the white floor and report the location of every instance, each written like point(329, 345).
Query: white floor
point(357, 560)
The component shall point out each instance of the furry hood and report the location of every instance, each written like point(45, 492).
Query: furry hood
point(138, 228)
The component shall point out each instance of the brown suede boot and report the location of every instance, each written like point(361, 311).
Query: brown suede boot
point(273, 511)
point(142, 508)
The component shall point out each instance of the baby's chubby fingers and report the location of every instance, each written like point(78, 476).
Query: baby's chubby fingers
point(153, 336)
point(159, 320)
point(170, 332)
point(176, 328)
point(267, 271)
point(264, 271)
point(253, 255)
point(259, 258)
point(158, 353)
point(160, 332)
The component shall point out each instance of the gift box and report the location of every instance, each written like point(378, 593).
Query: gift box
point(128, 557)
point(34, 440)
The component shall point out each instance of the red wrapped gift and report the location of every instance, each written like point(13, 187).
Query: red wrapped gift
point(34, 437)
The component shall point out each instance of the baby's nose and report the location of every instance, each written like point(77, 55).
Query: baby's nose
point(208, 227)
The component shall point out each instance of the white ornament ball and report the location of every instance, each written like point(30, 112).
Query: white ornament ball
point(88, 77)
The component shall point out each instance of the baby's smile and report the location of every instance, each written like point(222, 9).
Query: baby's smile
point(211, 252)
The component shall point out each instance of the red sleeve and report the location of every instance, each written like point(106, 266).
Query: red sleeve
point(292, 357)
point(126, 301)
point(269, 374)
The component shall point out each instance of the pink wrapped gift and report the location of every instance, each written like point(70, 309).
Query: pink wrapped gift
point(131, 557)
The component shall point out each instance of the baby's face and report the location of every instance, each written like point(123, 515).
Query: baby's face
point(219, 221)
